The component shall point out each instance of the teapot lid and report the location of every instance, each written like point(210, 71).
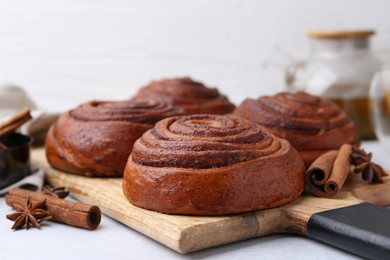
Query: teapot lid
point(341, 34)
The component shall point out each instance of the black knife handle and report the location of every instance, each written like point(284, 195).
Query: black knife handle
point(362, 229)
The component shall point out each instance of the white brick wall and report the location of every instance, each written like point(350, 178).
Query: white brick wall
point(65, 52)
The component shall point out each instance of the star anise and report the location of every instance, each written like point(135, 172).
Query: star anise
point(59, 192)
point(29, 214)
point(371, 171)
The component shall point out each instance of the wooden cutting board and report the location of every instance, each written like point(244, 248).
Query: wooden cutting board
point(191, 233)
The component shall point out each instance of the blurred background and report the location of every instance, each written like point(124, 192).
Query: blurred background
point(67, 52)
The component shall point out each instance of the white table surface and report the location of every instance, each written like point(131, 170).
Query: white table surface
point(112, 240)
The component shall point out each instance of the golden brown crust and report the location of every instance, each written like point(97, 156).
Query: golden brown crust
point(313, 125)
point(96, 138)
point(191, 96)
point(211, 165)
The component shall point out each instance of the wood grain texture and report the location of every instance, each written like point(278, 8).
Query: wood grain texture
point(191, 233)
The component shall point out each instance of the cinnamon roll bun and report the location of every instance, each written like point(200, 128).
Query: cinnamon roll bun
point(96, 138)
point(312, 124)
point(192, 96)
point(211, 165)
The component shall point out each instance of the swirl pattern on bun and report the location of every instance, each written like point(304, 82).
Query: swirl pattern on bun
point(211, 165)
point(96, 138)
point(312, 124)
point(192, 96)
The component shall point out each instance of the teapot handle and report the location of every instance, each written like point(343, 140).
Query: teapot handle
point(291, 72)
point(375, 90)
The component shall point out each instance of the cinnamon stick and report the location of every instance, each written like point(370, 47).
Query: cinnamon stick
point(341, 169)
point(68, 212)
point(327, 174)
point(15, 122)
point(319, 171)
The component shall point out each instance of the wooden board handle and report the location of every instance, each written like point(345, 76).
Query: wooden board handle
point(362, 229)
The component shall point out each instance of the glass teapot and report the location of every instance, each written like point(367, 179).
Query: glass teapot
point(340, 67)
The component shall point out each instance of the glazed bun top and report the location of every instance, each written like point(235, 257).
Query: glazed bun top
point(96, 138)
point(211, 165)
point(301, 111)
point(136, 111)
point(192, 96)
point(308, 122)
point(205, 141)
